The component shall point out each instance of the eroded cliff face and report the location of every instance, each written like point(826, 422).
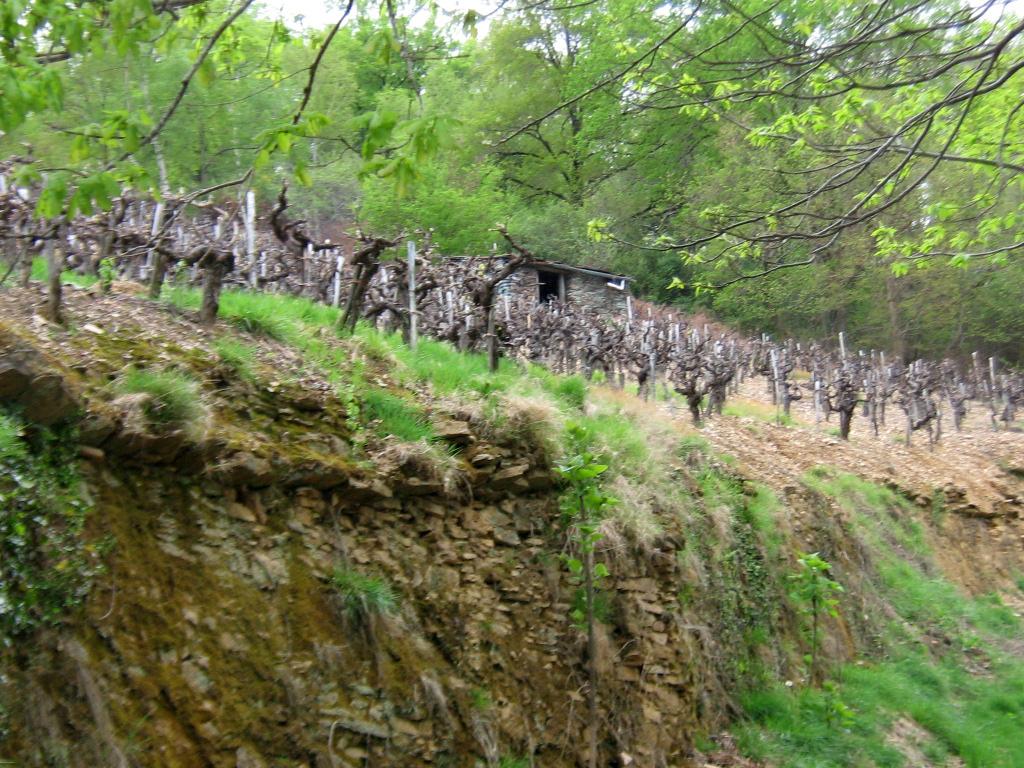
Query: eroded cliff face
point(217, 635)
point(215, 638)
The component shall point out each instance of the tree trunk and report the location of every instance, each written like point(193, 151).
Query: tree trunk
point(492, 341)
point(54, 263)
point(156, 280)
point(694, 405)
point(26, 268)
point(892, 300)
point(845, 417)
point(364, 274)
point(213, 279)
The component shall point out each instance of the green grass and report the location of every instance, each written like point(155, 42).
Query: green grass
point(694, 446)
point(761, 510)
point(261, 314)
point(481, 699)
point(978, 718)
point(396, 416)
point(758, 411)
point(619, 443)
point(312, 328)
point(795, 729)
point(175, 399)
point(39, 272)
point(449, 371)
point(912, 583)
point(966, 711)
point(571, 391)
point(300, 323)
point(239, 357)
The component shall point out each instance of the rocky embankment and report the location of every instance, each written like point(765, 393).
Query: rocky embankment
point(218, 634)
point(215, 636)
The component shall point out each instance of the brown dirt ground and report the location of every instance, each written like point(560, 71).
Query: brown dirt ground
point(975, 460)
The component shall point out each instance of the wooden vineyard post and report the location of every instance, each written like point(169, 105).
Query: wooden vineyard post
point(776, 376)
point(412, 296)
point(339, 267)
point(307, 257)
point(156, 262)
point(885, 388)
point(653, 386)
point(993, 393)
point(817, 402)
point(154, 230)
point(250, 238)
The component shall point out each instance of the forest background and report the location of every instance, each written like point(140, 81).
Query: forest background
point(695, 147)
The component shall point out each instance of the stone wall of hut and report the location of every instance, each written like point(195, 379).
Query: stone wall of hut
point(588, 291)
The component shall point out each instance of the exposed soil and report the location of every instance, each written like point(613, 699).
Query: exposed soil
point(977, 459)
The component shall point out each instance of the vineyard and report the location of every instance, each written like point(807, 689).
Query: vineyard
point(221, 246)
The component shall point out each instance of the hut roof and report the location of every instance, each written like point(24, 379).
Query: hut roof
point(559, 266)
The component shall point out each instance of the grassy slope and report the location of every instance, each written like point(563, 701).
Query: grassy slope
point(945, 661)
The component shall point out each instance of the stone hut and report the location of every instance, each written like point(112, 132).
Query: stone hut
point(593, 289)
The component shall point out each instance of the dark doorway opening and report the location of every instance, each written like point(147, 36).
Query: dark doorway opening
point(547, 283)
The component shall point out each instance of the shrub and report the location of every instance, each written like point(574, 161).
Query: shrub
point(481, 699)
point(174, 400)
point(46, 564)
point(363, 597)
point(11, 445)
point(817, 595)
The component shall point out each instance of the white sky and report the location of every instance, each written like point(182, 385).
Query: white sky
point(317, 14)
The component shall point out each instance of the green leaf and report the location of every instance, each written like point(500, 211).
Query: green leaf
point(207, 72)
point(51, 199)
point(302, 175)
